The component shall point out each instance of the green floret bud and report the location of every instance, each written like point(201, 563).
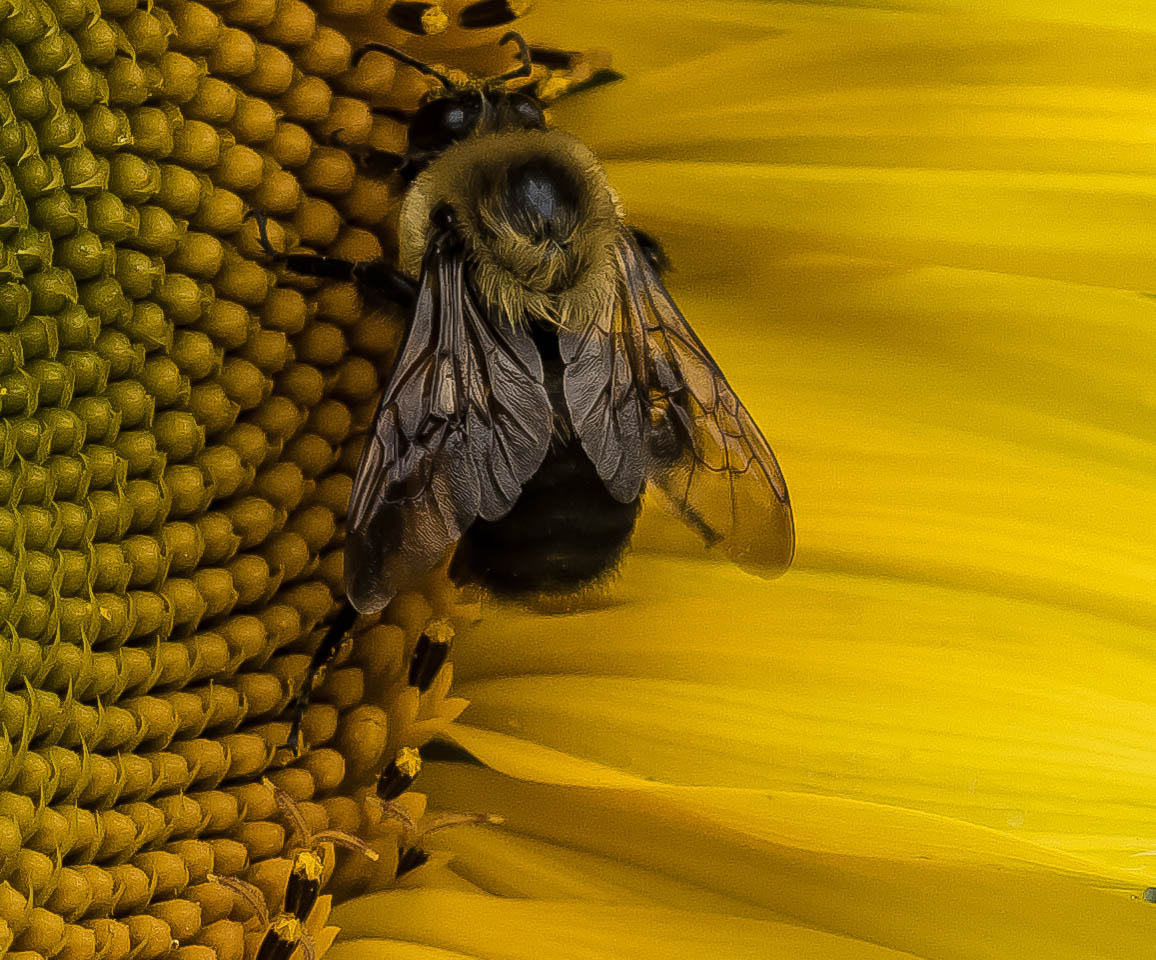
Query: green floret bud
point(31, 98)
point(60, 132)
point(138, 272)
point(71, 14)
point(85, 172)
point(184, 300)
point(152, 131)
point(17, 140)
point(106, 129)
point(215, 102)
point(85, 255)
point(81, 86)
point(26, 22)
point(97, 42)
point(59, 212)
point(33, 249)
point(51, 53)
point(127, 86)
point(110, 218)
point(36, 176)
point(9, 265)
point(133, 178)
point(147, 32)
point(158, 233)
point(15, 304)
point(104, 299)
point(197, 145)
point(12, 66)
point(180, 76)
point(52, 290)
point(149, 326)
point(78, 330)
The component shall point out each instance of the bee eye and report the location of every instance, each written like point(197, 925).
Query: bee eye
point(442, 122)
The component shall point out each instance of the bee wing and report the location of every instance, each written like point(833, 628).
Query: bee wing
point(604, 383)
point(649, 400)
point(463, 423)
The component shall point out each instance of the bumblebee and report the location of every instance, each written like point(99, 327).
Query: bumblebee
point(546, 376)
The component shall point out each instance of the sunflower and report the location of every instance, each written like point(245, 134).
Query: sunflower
point(918, 241)
point(914, 239)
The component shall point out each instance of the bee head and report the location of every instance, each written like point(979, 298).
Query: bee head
point(458, 110)
point(447, 119)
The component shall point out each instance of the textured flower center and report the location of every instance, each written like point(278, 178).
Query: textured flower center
point(180, 428)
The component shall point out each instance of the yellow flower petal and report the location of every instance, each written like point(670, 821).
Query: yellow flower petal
point(920, 885)
point(1010, 146)
point(919, 696)
point(918, 306)
point(496, 929)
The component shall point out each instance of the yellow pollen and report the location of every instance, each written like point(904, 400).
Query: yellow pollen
point(434, 21)
point(555, 86)
point(287, 927)
point(439, 631)
point(408, 761)
point(308, 865)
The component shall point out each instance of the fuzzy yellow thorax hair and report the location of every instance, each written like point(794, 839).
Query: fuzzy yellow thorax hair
point(557, 283)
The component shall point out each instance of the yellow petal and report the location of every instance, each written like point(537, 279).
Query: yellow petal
point(947, 701)
point(916, 884)
point(488, 927)
point(1009, 146)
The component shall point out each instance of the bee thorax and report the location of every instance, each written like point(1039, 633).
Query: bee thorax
point(542, 200)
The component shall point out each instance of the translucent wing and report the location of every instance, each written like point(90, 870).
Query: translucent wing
point(464, 422)
point(677, 422)
point(604, 383)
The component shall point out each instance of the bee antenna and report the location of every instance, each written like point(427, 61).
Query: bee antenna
point(523, 51)
point(406, 59)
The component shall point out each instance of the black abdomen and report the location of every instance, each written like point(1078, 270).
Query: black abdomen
point(564, 532)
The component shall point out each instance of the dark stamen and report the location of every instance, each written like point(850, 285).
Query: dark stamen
point(422, 19)
point(304, 884)
point(262, 230)
point(491, 13)
point(396, 778)
point(433, 647)
point(281, 939)
point(552, 58)
point(410, 859)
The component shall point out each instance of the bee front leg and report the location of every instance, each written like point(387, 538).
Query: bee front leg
point(375, 278)
point(371, 161)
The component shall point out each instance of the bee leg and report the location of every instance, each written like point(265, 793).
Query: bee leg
point(370, 160)
point(375, 277)
point(652, 250)
point(378, 279)
point(325, 652)
point(384, 281)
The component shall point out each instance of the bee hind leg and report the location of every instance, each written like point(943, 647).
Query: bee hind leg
point(324, 653)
